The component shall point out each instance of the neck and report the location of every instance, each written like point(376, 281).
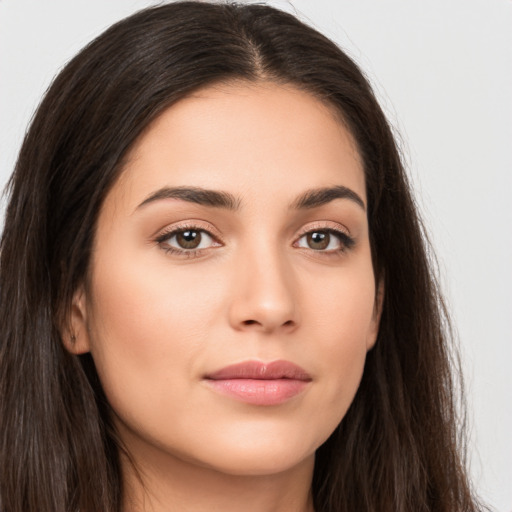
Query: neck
point(169, 483)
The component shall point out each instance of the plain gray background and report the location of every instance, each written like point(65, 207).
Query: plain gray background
point(443, 72)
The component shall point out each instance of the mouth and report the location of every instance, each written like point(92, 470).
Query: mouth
point(259, 383)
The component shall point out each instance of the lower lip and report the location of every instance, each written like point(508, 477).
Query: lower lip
point(259, 391)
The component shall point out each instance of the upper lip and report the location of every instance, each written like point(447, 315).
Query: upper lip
point(259, 370)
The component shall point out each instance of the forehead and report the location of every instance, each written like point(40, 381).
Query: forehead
point(245, 137)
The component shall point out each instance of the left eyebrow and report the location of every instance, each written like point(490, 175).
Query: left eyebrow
point(319, 196)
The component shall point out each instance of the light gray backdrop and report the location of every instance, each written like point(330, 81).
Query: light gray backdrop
point(443, 72)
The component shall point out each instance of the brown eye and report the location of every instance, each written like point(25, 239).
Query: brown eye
point(189, 239)
point(318, 240)
point(325, 240)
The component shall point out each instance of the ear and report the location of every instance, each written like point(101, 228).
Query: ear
point(75, 335)
point(377, 312)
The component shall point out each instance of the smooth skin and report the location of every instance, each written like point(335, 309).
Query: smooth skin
point(269, 279)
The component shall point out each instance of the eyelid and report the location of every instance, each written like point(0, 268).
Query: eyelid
point(192, 224)
point(325, 225)
point(171, 231)
point(339, 231)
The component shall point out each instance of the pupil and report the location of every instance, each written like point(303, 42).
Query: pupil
point(188, 239)
point(318, 240)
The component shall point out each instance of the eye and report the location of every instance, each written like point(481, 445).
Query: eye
point(187, 240)
point(326, 240)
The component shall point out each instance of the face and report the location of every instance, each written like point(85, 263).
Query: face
point(231, 298)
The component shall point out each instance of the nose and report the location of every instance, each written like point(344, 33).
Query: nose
point(264, 297)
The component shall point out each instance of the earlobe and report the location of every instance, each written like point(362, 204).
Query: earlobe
point(377, 313)
point(75, 336)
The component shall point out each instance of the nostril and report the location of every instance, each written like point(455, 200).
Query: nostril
point(288, 323)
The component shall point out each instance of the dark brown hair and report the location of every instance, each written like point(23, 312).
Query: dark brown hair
point(398, 448)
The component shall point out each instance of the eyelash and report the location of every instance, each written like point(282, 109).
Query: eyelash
point(346, 241)
point(186, 253)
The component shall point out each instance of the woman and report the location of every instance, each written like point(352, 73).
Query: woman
point(215, 287)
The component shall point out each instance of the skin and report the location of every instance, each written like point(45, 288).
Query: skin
point(156, 322)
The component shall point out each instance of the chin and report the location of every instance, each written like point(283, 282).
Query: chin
point(257, 463)
point(266, 454)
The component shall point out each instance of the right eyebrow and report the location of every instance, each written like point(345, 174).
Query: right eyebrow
point(202, 196)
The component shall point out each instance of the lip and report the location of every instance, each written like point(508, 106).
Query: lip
point(260, 383)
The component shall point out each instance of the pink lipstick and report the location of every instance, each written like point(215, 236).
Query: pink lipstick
point(258, 383)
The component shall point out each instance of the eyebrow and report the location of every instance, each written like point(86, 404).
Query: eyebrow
point(205, 197)
point(320, 196)
point(219, 199)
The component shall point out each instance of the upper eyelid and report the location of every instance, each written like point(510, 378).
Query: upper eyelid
point(324, 226)
point(191, 225)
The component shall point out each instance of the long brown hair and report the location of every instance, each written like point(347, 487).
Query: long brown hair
point(398, 448)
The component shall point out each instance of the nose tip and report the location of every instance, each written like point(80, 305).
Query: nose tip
point(265, 299)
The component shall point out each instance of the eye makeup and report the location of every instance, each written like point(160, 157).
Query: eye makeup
point(192, 240)
point(187, 240)
point(326, 237)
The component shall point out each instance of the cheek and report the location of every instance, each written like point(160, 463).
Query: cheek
point(147, 327)
point(342, 321)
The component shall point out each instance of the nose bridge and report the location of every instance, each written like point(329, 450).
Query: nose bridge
point(264, 295)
